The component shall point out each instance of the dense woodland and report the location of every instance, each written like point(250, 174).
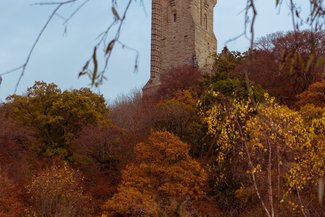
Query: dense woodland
point(245, 139)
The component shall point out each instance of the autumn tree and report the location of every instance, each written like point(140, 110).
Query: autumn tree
point(178, 79)
point(315, 95)
point(278, 151)
point(284, 147)
point(106, 147)
point(222, 78)
point(58, 191)
point(57, 117)
point(14, 142)
point(10, 201)
point(223, 115)
point(163, 180)
point(133, 113)
point(179, 115)
point(285, 64)
point(100, 158)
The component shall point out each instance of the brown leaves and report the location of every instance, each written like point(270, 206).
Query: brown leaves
point(95, 76)
point(57, 191)
point(315, 94)
point(109, 47)
point(10, 205)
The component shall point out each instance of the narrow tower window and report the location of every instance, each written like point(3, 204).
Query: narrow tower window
point(175, 17)
point(194, 61)
point(201, 12)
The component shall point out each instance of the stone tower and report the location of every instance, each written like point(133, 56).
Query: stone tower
point(181, 34)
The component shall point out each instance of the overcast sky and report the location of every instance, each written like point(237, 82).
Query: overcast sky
point(59, 56)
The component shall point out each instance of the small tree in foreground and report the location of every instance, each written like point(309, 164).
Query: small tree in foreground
point(161, 183)
point(57, 191)
point(279, 150)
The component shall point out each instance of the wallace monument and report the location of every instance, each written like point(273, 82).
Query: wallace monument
point(181, 34)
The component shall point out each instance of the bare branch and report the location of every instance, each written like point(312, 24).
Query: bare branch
point(253, 7)
point(75, 12)
point(250, 162)
point(23, 68)
point(97, 78)
point(54, 3)
point(136, 64)
point(12, 70)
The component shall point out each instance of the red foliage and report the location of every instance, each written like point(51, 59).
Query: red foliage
point(100, 157)
point(10, 204)
point(286, 64)
point(180, 78)
point(133, 113)
point(15, 140)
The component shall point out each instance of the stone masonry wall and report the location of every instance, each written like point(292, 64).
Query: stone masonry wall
point(182, 34)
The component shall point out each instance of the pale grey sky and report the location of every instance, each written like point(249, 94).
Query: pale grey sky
point(59, 57)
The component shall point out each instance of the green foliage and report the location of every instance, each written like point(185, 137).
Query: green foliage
point(225, 63)
point(57, 117)
point(178, 115)
point(223, 81)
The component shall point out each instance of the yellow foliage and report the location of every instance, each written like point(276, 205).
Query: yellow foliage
point(292, 142)
point(57, 191)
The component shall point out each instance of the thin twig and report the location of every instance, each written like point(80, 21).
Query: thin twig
point(54, 3)
point(118, 33)
point(301, 205)
point(250, 162)
point(12, 70)
point(75, 12)
point(23, 69)
point(253, 7)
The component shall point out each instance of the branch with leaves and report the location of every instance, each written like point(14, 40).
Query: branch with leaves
point(97, 75)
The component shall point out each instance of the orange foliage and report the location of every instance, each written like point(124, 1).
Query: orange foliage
point(164, 178)
point(315, 94)
point(57, 191)
point(10, 205)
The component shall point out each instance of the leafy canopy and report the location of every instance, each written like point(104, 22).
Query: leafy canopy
point(57, 116)
point(161, 181)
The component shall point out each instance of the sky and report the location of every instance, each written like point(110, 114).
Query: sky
point(61, 53)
